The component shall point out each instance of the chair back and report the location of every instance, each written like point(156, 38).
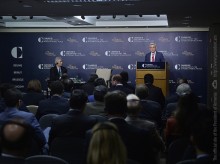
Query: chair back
point(70, 149)
point(105, 74)
point(37, 159)
point(32, 108)
point(46, 120)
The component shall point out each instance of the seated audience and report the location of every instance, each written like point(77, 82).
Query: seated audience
point(68, 87)
point(34, 93)
point(134, 107)
point(155, 93)
point(137, 141)
point(125, 78)
point(89, 86)
point(106, 145)
point(97, 107)
point(3, 88)
point(74, 123)
point(150, 110)
point(54, 105)
point(12, 99)
point(116, 82)
point(15, 140)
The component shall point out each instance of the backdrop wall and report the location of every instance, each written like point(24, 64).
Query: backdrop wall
point(26, 56)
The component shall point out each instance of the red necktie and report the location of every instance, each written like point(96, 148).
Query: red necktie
point(152, 57)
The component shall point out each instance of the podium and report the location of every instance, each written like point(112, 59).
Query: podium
point(158, 69)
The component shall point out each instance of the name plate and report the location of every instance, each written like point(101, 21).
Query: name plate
point(150, 65)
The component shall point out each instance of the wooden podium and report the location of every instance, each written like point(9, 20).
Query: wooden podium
point(158, 69)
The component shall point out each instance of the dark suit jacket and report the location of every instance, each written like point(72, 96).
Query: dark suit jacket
point(158, 58)
point(54, 75)
point(54, 105)
point(32, 98)
point(156, 94)
point(151, 111)
point(121, 88)
point(72, 124)
point(137, 141)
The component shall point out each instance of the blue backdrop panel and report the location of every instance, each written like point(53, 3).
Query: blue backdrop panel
point(27, 56)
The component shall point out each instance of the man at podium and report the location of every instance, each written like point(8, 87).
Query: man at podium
point(154, 55)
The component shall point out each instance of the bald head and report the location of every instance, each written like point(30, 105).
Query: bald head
point(141, 91)
point(15, 138)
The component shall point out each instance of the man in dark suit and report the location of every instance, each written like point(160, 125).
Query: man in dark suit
point(139, 144)
point(155, 93)
point(58, 70)
point(117, 85)
point(150, 110)
point(154, 55)
point(74, 123)
point(54, 105)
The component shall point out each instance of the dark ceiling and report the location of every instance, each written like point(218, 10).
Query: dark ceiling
point(180, 13)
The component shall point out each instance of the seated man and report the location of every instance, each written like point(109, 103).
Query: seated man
point(16, 138)
point(12, 98)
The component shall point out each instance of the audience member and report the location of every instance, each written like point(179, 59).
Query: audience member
point(3, 88)
point(89, 86)
point(12, 99)
point(97, 107)
point(34, 93)
point(137, 141)
point(54, 105)
point(125, 78)
point(117, 85)
point(97, 82)
point(134, 107)
point(155, 93)
point(106, 146)
point(15, 140)
point(74, 123)
point(68, 87)
point(151, 110)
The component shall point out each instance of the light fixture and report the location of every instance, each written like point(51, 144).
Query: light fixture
point(83, 17)
point(14, 17)
point(126, 15)
point(158, 15)
point(114, 16)
point(140, 15)
point(1, 17)
point(98, 17)
point(31, 17)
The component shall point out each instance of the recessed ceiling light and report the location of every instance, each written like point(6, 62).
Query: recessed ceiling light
point(27, 6)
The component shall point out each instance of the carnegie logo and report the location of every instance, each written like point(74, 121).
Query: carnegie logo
point(48, 40)
point(92, 66)
point(187, 39)
point(71, 53)
point(117, 67)
point(131, 66)
point(45, 66)
point(187, 67)
point(93, 40)
point(138, 39)
point(177, 38)
point(116, 53)
point(17, 52)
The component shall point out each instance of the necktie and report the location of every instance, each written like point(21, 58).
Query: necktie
point(152, 57)
point(59, 71)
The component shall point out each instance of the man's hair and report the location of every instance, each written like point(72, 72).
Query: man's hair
point(56, 87)
point(78, 99)
point(4, 87)
point(133, 104)
point(148, 79)
point(116, 103)
point(16, 137)
point(12, 97)
point(57, 59)
point(99, 92)
point(183, 89)
point(141, 91)
point(99, 81)
point(92, 77)
point(68, 84)
point(124, 76)
point(117, 78)
point(34, 85)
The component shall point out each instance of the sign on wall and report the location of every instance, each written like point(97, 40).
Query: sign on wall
point(26, 56)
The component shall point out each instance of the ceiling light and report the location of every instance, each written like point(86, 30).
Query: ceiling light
point(14, 17)
point(140, 15)
point(126, 15)
point(114, 16)
point(83, 17)
point(31, 17)
point(98, 17)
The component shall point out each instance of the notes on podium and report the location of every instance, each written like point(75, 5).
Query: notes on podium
point(158, 69)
